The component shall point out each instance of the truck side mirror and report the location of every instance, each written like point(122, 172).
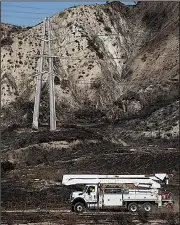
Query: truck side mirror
point(88, 191)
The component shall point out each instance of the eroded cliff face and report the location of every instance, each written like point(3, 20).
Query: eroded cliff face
point(115, 61)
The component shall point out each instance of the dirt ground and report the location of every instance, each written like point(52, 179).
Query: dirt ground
point(33, 177)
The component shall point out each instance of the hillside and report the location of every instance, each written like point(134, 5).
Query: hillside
point(116, 99)
point(114, 60)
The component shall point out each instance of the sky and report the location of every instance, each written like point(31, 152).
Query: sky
point(32, 13)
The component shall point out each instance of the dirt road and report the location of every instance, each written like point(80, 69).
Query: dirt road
point(65, 217)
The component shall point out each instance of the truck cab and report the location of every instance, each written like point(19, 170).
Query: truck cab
point(87, 198)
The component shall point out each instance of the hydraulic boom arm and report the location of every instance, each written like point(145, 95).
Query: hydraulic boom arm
point(151, 180)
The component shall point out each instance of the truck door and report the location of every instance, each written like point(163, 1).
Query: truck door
point(91, 193)
point(113, 197)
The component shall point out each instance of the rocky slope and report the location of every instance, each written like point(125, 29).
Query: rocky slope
point(115, 60)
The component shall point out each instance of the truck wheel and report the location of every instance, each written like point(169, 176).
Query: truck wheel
point(147, 207)
point(79, 207)
point(133, 207)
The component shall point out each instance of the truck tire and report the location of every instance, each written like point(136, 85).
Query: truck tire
point(79, 207)
point(133, 207)
point(147, 207)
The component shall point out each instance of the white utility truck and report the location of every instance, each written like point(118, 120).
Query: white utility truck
point(132, 192)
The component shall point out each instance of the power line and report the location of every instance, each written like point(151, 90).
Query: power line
point(28, 7)
point(91, 59)
point(82, 35)
point(107, 36)
point(22, 12)
point(116, 34)
point(68, 43)
point(97, 35)
point(23, 17)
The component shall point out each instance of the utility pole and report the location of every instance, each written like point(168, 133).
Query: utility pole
point(39, 80)
point(45, 29)
point(51, 82)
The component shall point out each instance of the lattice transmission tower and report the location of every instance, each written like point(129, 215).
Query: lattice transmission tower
point(46, 36)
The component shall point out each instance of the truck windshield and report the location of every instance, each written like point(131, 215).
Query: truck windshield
point(85, 188)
